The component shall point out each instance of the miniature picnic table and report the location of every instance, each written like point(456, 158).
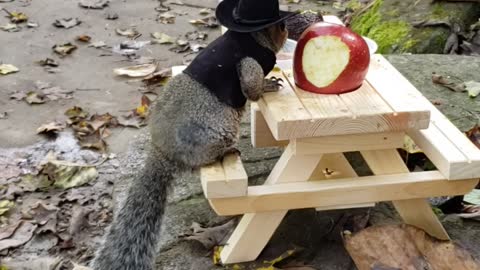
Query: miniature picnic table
point(315, 130)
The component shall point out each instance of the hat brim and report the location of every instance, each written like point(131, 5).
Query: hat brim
point(224, 14)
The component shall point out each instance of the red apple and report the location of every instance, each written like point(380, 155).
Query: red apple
point(330, 59)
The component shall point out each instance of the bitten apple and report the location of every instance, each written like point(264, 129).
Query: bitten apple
point(330, 59)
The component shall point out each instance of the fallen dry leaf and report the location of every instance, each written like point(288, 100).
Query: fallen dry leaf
point(405, 247)
point(42, 213)
point(5, 206)
point(64, 49)
point(130, 47)
point(7, 69)
point(43, 263)
point(32, 25)
point(473, 88)
point(67, 22)
point(205, 11)
point(79, 219)
point(166, 18)
point(136, 71)
point(22, 235)
point(94, 4)
point(111, 16)
point(52, 127)
point(162, 38)
point(59, 174)
point(10, 27)
point(196, 47)
point(128, 32)
point(98, 44)
point(196, 35)
point(158, 78)
point(48, 62)
point(33, 97)
point(76, 114)
point(3, 115)
point(94, 140)
point(8, 230)
point(210, 237)
point(17, 17)
point(210, 22)
point(441, 80)
point(84, 38)
point(474, 135)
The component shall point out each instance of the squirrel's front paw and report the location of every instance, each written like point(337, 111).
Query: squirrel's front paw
point(273, 84)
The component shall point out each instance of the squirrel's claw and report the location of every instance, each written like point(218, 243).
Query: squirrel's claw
point(273, 84)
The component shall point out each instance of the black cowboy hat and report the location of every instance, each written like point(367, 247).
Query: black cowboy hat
point(250, 15)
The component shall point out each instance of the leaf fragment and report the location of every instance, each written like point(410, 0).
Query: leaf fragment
point(166, 18)
point(48, 62)
point(162, 38)
point(84, 38)
point(34, 97)
point(67, 22)
point(5, 206)
point(160, 77)
point(10, 27)
point(64, 49)
point(136, 71)
point(18, 17)
point(94, 4)
point(441, 80)
point(7, 69)
point(52, 127)
point(473, 88)
point(210, 22)
point(127, 32)
point(22, 235)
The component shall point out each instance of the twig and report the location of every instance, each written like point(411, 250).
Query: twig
point(189, 5)
point(87, 89)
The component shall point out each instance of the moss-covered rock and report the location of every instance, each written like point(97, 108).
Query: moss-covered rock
point(390, 24)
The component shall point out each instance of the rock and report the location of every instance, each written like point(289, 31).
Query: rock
point(458, 107)
point(391, 24)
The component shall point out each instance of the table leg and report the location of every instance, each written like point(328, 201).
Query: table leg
point(255, 229)
point(416, 212)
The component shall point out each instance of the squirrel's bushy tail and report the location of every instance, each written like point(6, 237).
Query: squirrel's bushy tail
point(131, 240)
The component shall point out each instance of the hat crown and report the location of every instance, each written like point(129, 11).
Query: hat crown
point(256, 11)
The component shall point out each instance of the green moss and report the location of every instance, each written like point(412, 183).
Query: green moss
point(389, 34)
point(369, 19)
point(439, 12)
point(407, 45)
point(354, 5)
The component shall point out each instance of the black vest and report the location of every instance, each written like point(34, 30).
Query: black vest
point(215, 67)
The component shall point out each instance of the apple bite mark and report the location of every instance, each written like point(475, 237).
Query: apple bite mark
point(324, 59)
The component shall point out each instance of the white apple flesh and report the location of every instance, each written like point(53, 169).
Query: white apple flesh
point(330, 59)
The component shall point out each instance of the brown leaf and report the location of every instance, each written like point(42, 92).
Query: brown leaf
point(405, 247)
point(22, 235)
point(7, 231)
point(75, 113)
point(160, 77)
point(210, 237)
point(67, 22)
point(84, 38)
point(456, 87)
point(64, 49)
point(79, 219)
point(94, 141)
point(474, 135)
point(51, 127)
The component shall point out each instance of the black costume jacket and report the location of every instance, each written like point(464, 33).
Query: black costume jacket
point(215, 67)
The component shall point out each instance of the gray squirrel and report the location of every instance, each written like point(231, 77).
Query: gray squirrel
point(190, 126)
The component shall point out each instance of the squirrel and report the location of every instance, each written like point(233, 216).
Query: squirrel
point(190, 127)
